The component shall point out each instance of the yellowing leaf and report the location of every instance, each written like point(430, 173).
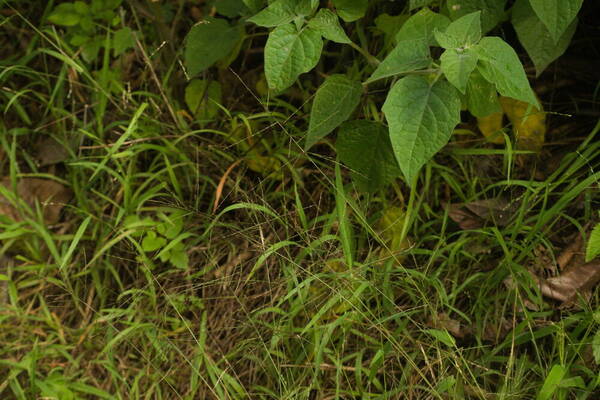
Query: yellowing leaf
point(390, 227)
point(267, 166)
point(203, 97)
point(491, 127)
point(529, 123)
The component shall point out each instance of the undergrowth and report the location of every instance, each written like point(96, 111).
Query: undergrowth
point(218, 260)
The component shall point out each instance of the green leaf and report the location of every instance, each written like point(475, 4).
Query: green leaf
point(171, 227)
point(91, 48)
point(81, 7)
point(457, 67)
point(138, 225)
point(389, 25)
point(482, 98)
point(500, 65)
point(351, 10)
point(557, 15)
point(202, 98)
point(422, 25)
point(492, 11)
point(4, 277)
point(123, 40)
point(164, 256)
point(65, 14)
point(334, 102)
point(254, 5)
point(446, 384)
point(365, 147)
point(209, 41)
point(289, 53)
point(231, 8)
point(462, 33)
point(152, 242)
point(421, 118)
point(407, 56)
point(328, 25)
point(593, 246)
point(179, 259)
point(535, 37)
point(596, 347)
point(306, 7)
point(418, 4)
point(442, 336)
point(573, 382)
point(277, 13)
point(552, 382)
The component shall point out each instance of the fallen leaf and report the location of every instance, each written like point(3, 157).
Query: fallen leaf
point(575, 280)
point(51, 195)
point(49, 152)
point(475, 214)
point(454, 327)
point(573, 250)
point(497, 331)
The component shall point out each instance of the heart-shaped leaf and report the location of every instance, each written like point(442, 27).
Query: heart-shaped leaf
point(209, 41)
point(536, 38)
point(334, 102)
point(499, 64)
point(421, 117)
point(365, 147)
point(557, 15)
point(290, 52)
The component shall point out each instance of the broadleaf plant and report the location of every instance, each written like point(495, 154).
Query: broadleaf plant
point(208, 42)
point(421, 116)
point(334, 102)
point(433, 62)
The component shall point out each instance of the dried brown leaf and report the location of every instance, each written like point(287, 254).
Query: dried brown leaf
point(475, 214)
point(577, 279)
point(49, 152)
point(454, 327)
point(51, 195)
point(496, 332)
point(573, 253)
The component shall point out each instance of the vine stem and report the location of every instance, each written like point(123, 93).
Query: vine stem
point(370, 58)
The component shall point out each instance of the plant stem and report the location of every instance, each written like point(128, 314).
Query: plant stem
point(370, 58)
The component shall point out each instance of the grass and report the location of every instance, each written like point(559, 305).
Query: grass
point(292, 288)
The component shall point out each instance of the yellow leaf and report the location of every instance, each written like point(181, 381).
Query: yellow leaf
point(491, 127)
point(267, 166)
point(529, 123)
point(390, 227)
